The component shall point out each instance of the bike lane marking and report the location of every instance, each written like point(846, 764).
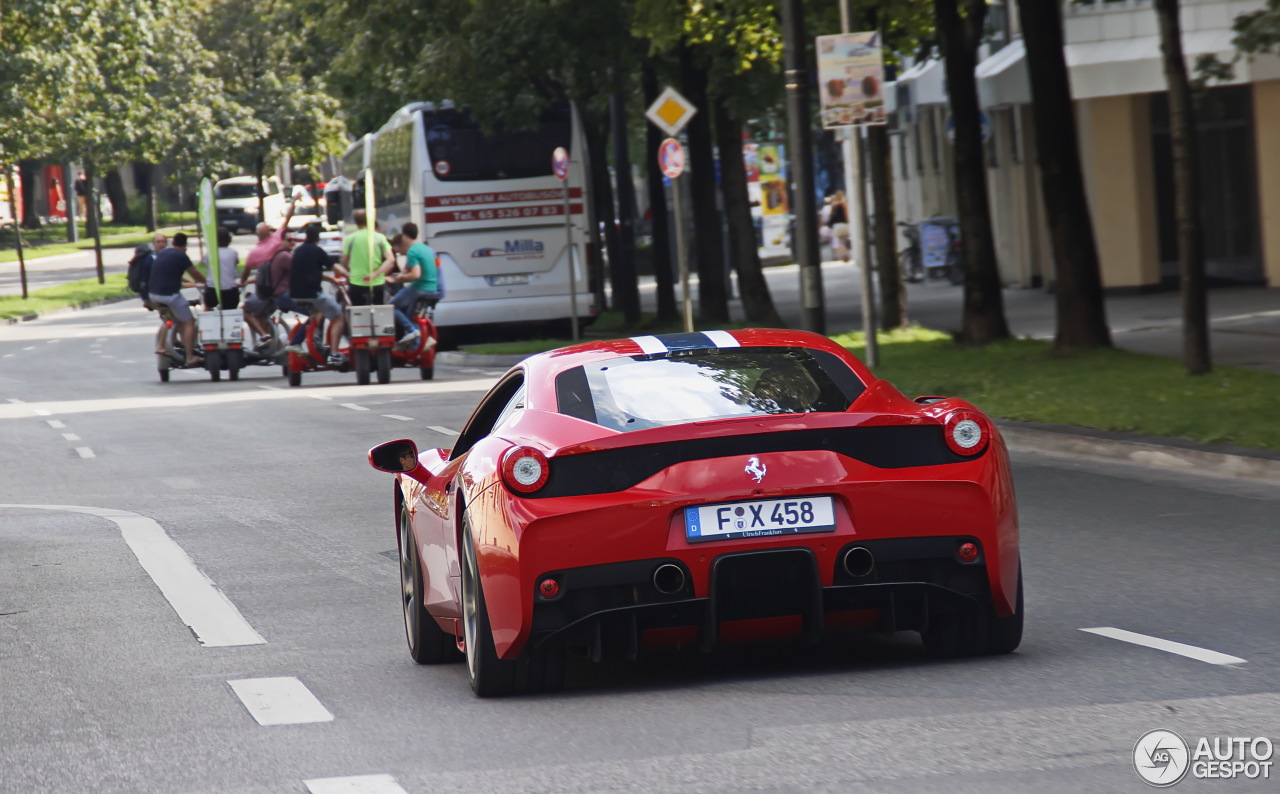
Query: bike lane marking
point(205, 609)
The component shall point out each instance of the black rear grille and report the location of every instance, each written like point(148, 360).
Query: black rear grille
point(613, 470)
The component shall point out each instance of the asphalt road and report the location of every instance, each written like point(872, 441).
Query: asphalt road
point(265, 491)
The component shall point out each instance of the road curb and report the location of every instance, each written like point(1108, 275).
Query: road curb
point(461, 358)
point(26, 318)
point(1171, 454)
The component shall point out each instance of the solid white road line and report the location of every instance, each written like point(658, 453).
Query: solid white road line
point(42, 412)
point(55, 423)
point(71, 436)
point(280, 701)
point(354, 407)
point(85, 452)
point(398, 416)
point(444, 430)
point(1190, 651)
point(360, 784)
point(199, 603)
point(315, 396)
point(14, 400)
point(269, 388)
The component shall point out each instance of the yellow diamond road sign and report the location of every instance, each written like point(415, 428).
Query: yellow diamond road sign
point(670, 112)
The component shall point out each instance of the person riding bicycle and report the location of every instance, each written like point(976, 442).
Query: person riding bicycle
point(419, 277)
point(165, 289)
point(259, 305)
point(306, 273)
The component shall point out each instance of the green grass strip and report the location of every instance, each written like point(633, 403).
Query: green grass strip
point(75, 293)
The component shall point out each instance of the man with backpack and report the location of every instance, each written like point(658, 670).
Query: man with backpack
point(144, 256)
point(272, 282)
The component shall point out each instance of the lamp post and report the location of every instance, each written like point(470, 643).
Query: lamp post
point(804, 240)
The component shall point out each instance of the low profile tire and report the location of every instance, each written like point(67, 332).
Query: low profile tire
point(490, 676)
point(213, 363)
point(1004, 634)
point(235, 362)
point(361, 361)
point(384, 365)
point(428, 373)
point(428, 643)
point(295, 378)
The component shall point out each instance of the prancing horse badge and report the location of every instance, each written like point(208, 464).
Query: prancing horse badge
point(755, 468)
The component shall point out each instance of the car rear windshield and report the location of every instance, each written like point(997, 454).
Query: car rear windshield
point(635, 393)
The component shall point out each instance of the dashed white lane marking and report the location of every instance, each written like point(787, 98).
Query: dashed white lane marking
point(14, 400)
point(280, 701)
point(29, 348)
point(354, 407)
point(444, 430)
point(1169, 646)
point(51, 341)
point(398, 416)
point(85, 452)
point(359, 784)
point(199, 603)
point(71, 436)
point(55, 423)
point(126, 361)
point(99, 339)
point(268, 388)
point(7, 355)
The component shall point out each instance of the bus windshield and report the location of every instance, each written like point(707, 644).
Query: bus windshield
point(460, 149)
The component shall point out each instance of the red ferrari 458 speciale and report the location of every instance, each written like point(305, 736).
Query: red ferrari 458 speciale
point(697, 489)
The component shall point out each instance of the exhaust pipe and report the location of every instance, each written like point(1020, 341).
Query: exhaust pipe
point(858, 562)
point(668, 579)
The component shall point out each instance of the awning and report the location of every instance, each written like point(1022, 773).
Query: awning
point(1002, 78)
point(927, 82)
point(1117, 67)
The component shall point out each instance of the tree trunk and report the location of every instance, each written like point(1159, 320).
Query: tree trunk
point(1081, 311)
point(1186, 180)
point(893, 298)
point(713, 298)
point(259, 165)
point(116, 195)
point(984, 319)
point(663, 272)
point(757, 303)
point(597, 134)
point(94, 210)
point(28, 170)
point(153, 203)
point(626, 287)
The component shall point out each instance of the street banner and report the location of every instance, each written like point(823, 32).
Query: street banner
point(207, 216)
point(851, 80)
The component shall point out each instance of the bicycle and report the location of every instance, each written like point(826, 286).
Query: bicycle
point(911, 258)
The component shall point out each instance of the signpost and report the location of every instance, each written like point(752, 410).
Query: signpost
point(370, 227)
point(560, 164)
point(671, 162)
point(670, 113)
point(207, 215)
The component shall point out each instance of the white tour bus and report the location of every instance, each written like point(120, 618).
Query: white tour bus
point(490, 206)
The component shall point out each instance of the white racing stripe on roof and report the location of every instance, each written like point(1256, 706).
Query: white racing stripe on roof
point(721, 338)
point(649, 345)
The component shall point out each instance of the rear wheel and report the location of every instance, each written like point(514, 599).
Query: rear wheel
point(295, 378)
point(213, 363)
point(361, 357)
point(428, 643)
point(235, 361)
point(1004, 634)
point(164, 375)
point(428, 372)
point(384, 365)
point(490, 676)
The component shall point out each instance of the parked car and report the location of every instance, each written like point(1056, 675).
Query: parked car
point(699, 489)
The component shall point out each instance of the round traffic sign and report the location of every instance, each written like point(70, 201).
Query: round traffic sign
point(560, 163)
point(671, 158)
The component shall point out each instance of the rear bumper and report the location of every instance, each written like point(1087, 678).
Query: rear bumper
point(616, 609)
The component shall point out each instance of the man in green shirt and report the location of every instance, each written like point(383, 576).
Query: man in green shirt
point(367, 281)
point(419, 278)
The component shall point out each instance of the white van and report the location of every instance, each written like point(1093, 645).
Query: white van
point(237, 202)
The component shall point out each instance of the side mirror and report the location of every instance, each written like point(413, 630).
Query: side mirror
point(395, 457)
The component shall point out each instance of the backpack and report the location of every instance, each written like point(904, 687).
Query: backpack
point(139, 268)
point(265, 288)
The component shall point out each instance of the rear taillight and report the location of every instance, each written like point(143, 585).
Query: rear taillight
point(525, 469)
point(967, 432)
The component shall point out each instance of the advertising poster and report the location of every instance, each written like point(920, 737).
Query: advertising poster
point(851, 80)
point(773, 180)
point(7, 202)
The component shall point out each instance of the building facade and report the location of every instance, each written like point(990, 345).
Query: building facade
point(1117, 81)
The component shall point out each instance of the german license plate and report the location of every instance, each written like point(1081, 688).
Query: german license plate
point(511, 280)
point(760, 518)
